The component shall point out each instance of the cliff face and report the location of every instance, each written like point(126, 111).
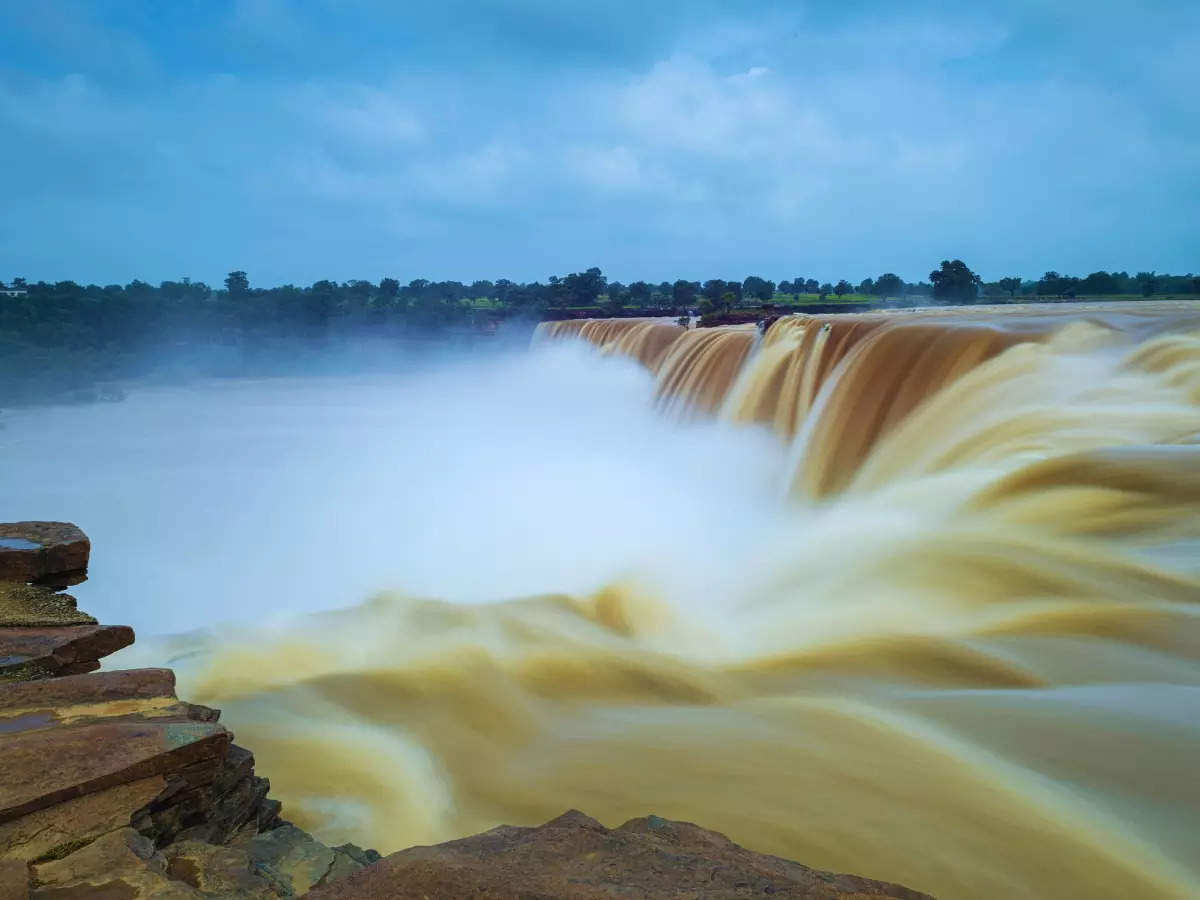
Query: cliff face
point(112, 787)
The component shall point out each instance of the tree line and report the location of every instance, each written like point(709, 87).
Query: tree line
point(56, 336)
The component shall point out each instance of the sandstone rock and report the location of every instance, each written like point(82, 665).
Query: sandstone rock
point(14, 880)
point(359, 855)
point(216, 871)
point(120, 864)
point(576, 858)
point(53, 831)
point(211, 806)
point(298, 861)
point(33, 551)
point(29, 653)
point(45, 766)
point(86, 690)
point(33, 605)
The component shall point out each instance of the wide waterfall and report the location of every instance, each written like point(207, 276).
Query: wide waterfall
point(966, 659)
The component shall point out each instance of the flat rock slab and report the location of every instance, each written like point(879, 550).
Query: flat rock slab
point(121, 686)
point(50, 832)
point(26, 605)
point(27, 653)
point(45, 765)
point(576, 858)
point(32, 551)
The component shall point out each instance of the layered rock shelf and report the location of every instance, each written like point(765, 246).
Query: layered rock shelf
point(113, 787)
point(110, 785)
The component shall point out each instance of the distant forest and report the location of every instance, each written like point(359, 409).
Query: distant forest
point(59, 340)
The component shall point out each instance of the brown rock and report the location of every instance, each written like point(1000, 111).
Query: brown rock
point(45, 766)
point(33, 605)
point(79, 690)
point(216, 871)
point(576, 858)
point(297, 861)
point(27, 653)
point(52, 831)
point(121, 864)
point(359, 855)
point(211, 805)
point(14, 880)
point(32, 551)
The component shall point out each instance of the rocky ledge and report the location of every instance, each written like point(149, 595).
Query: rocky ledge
point(112, 787)
point(576, 858)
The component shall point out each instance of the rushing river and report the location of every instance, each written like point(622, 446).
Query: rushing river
point(915, 596)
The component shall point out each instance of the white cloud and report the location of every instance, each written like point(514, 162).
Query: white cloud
point(613, 170)
point(368, 117)
point(738, 145)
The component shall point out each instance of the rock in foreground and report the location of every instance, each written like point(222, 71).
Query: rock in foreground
point(576, 858)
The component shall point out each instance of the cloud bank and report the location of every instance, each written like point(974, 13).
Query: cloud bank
point(517, 139)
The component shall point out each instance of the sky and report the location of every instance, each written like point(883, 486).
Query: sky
point(462, 139)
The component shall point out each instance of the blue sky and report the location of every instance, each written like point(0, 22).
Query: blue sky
point(455, 139)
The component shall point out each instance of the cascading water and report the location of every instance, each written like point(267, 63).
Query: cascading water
point(967, 659)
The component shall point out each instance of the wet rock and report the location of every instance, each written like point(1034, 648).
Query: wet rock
point(36, 551)
point(294, 856)
point(33, 605)
point(576, 858)
point(30, 653)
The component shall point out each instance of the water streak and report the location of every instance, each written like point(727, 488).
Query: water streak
point(967, 658)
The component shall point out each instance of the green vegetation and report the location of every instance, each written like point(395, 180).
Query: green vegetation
point(64, 340)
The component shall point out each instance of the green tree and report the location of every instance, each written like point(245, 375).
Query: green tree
point(713, 289)
point(843, 287)
point(1012, 284)
point(954, 282)
point(237, 284)
point(758, 288)
point(1050, 284)
point(728, 300)
point(889, 284)
point(683, 292)
point(584, 289)
point(1098, 283)
point(866, 286)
